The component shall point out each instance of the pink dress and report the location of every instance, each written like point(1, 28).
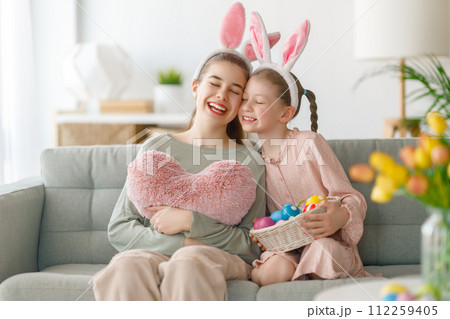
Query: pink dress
point(307, 166)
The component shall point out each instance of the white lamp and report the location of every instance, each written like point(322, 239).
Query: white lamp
point(398, 29)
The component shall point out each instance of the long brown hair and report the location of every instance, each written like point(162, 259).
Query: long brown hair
point(283, 91)
point(234, 129)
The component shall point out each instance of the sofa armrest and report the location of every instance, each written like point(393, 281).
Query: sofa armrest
point(21, 205)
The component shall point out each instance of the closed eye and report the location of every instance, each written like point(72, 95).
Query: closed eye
point(214, 84)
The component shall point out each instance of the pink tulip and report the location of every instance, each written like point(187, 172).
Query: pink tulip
point(407, 156)
point(417, 185)
point(362, 173)
point(440, 155)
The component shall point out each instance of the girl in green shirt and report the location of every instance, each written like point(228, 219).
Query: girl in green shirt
point(180, 254)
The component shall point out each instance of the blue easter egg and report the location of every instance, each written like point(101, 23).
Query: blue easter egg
point(390, 297)
point(276, 216)
point(289, 210)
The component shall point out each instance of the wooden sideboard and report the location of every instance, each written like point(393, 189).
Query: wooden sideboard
point(109, 129)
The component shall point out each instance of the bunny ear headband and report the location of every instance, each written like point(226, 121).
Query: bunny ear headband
point(292, 49)
point(231, 32)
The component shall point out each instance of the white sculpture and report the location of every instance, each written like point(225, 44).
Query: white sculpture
point(96, 71)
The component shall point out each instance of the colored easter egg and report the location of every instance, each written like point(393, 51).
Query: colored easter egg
point(393, 288)
point(276, 216)
point(263, 223)
point(301, 205)
point(405, 296)
point(289, 210)
point(390, 297)
point(309, 207)
point(315, 199)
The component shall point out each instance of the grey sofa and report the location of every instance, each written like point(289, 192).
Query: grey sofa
point(53, 229)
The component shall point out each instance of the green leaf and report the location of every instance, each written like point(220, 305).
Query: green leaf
point(170, 76)
point(429, 73)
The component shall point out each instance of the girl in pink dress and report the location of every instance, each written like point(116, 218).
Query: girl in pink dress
point(299, 164)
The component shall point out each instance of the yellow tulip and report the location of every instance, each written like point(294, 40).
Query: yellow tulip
point(385, 183)
point(379, 195)
point(422, 158)
point(427, 143)
point(437, 123)
point(399, 175)
point(381, 161)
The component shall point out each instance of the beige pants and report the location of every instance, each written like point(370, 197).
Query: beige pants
point(192, 273)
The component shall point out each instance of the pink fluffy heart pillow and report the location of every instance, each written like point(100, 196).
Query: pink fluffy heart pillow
point(224, 190)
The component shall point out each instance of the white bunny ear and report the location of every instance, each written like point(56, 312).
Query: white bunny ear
point(248, 48)
point(259, 39)
point(233, 26)
point(294, 45)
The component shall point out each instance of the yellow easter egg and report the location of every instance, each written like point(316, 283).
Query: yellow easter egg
point(315, 199)
point(393, 288)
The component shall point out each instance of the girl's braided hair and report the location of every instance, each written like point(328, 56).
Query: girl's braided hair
point(283, 91)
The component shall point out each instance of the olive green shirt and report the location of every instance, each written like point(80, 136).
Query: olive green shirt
point(127, 229)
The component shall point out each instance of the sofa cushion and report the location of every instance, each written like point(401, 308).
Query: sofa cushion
point(82, 185)
point(63, 282)
point(241, 290)
point(71, 282)
point(392, 271)
point(303, 289)
point(391, 231)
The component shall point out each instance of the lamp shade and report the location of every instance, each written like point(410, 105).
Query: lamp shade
point(401, 28)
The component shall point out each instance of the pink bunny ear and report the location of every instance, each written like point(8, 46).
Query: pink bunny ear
point(258, 38)
point(233, 26)
point(248, 48)
point(295, 44)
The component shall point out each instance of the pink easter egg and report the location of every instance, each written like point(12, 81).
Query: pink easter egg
point(405, 296)
point(263, 223)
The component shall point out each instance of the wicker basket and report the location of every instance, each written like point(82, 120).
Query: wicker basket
point(289, 235)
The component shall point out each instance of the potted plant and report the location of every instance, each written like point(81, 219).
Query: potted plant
point(167, 95)
point(434, 83)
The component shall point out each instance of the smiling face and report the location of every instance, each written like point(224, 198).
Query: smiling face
point(261, 109)
point(219, 92)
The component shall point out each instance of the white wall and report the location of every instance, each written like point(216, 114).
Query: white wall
point(178, 33)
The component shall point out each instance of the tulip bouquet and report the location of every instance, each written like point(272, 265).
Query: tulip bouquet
point(425, 176)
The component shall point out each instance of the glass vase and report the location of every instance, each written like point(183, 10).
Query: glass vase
point(435, 259)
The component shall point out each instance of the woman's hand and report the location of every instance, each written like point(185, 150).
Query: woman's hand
point(326, 224)
point(257, 242)
point(170, 220)
point(256, 239)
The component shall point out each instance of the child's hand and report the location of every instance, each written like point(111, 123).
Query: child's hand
point(324, 225)
point(170, 220)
